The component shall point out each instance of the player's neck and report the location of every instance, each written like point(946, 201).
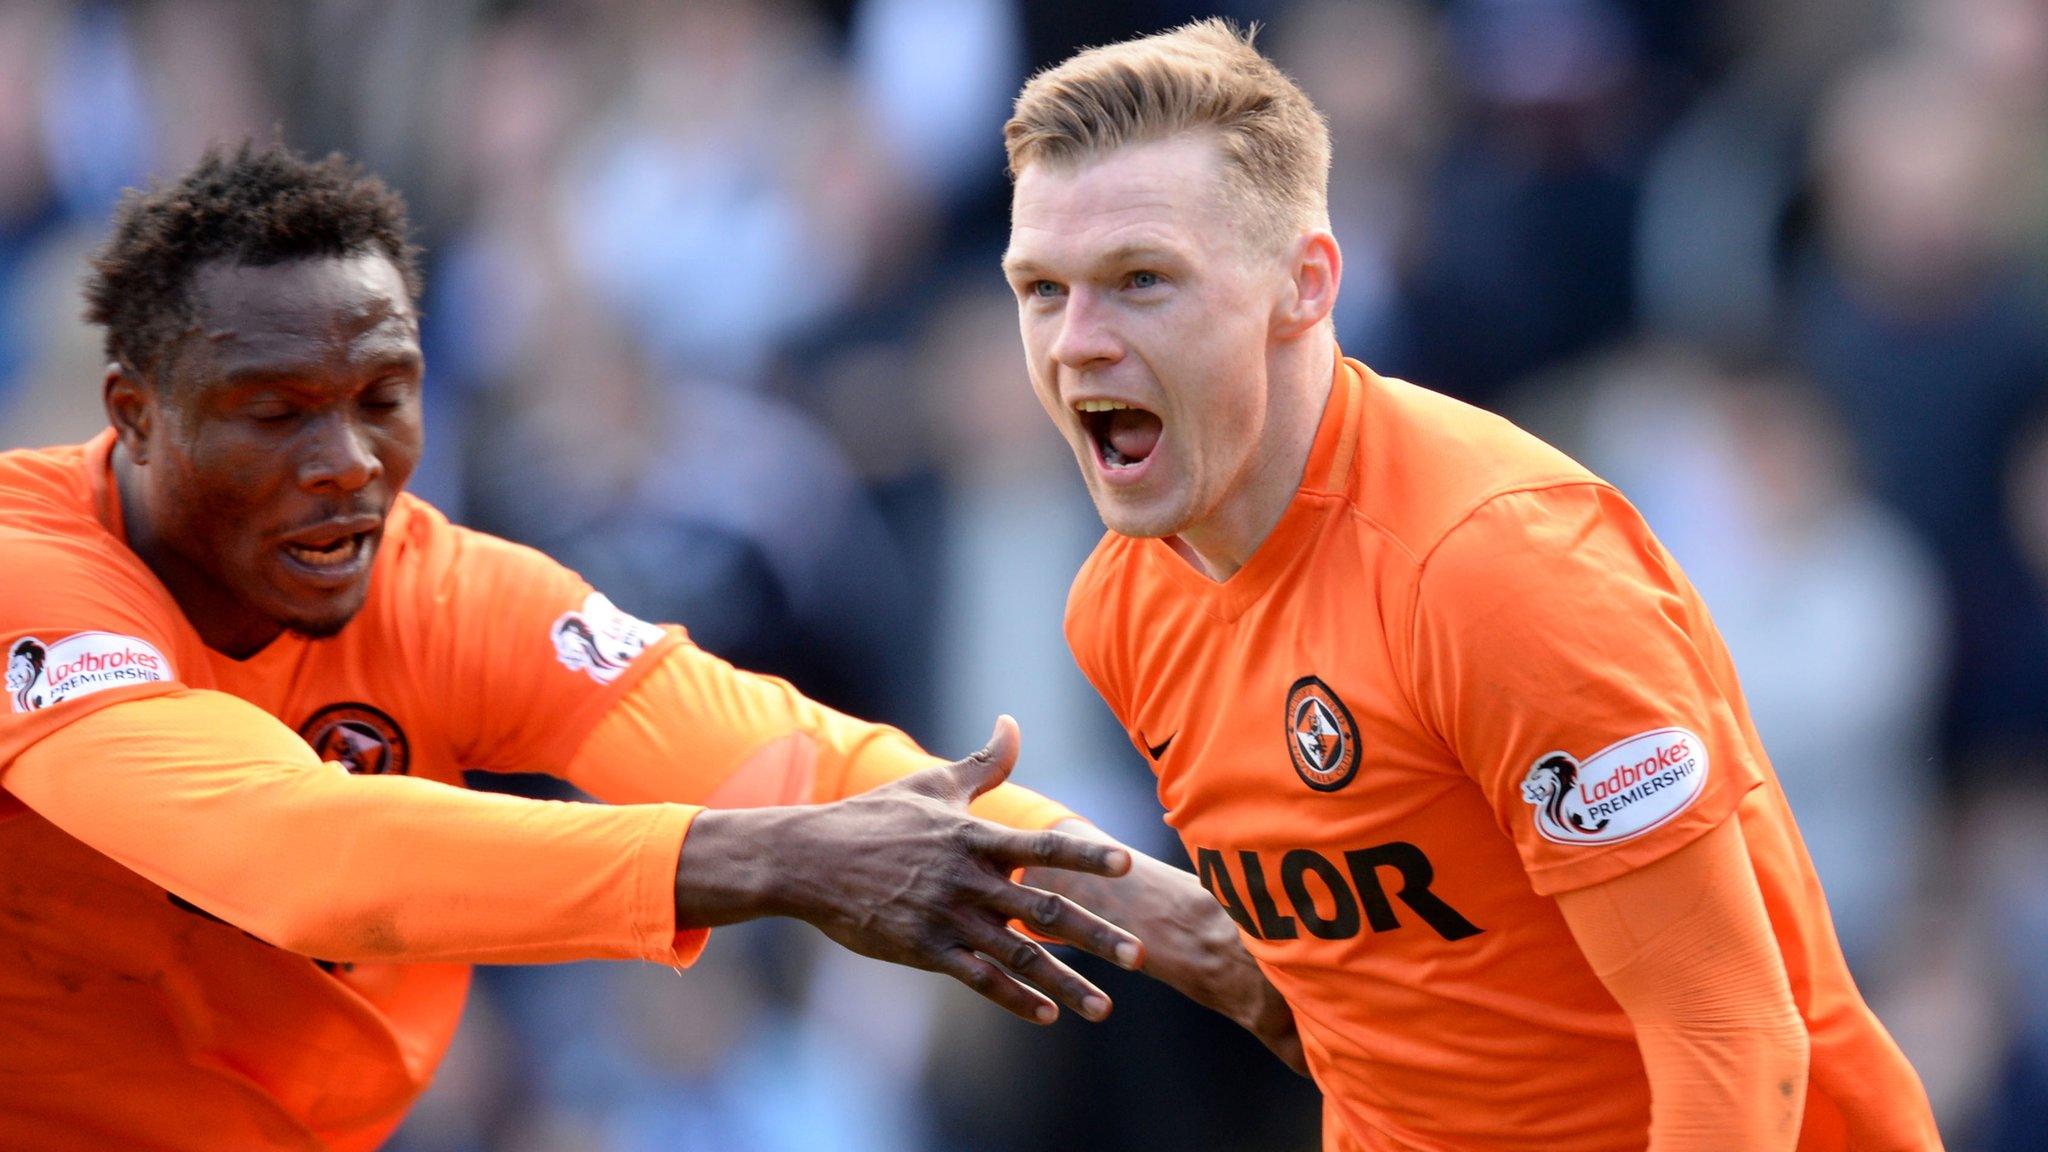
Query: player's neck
point(222, 622)
point(1224, 541)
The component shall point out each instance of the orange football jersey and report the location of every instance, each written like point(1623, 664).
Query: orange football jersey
point(135, 1011)
point(1461, 676)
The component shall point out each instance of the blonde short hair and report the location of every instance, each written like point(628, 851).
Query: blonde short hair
point(1204, 76)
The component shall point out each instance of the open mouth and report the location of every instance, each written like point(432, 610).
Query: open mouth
point(1124, 435)
point(333, 555)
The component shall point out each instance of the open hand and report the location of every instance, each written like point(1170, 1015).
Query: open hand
point(1191, 945)
point(904, 874)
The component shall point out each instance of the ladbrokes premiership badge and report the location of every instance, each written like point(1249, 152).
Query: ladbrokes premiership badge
point(39, 675)
point(1322, 738)
point(1619, 792)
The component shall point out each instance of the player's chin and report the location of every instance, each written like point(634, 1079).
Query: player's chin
point(319, 625)
point(320, 613)
point(1144, 514)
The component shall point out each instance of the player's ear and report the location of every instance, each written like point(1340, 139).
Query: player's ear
point(1315, 268)
point(128, 399)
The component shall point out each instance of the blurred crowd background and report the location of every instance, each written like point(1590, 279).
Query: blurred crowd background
point(714, 316)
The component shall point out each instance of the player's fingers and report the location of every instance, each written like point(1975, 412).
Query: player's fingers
point(1051, 914)
point(992, 982)
point(990, 766)
point(1029, 959)
point(1047, 848)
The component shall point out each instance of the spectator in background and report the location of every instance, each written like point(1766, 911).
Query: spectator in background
point(1840, 621)
point(1527, 241)
point(1914, 314)
point(1016, 524)
point(1378, 71)
point(56, 348)
point(734, 193)
point(1911, 311)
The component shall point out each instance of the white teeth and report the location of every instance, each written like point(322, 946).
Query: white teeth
point(1100, 406)
point(337, 553)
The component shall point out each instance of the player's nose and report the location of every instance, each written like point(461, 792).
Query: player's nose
point(1085, 335)
point(338, 453)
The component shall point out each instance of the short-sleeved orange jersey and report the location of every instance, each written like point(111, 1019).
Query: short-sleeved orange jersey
point(129, 1017)
point(1461, 676)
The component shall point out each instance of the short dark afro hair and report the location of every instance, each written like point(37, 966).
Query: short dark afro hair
point(254, 206)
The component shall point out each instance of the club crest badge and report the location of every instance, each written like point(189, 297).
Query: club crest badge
point(362, 739)
point(1322, 738)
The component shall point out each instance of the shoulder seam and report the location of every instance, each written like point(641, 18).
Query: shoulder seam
point(1409, 644)
point(1466, 516)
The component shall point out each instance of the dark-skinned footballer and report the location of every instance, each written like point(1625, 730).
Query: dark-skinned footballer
point(240, 883)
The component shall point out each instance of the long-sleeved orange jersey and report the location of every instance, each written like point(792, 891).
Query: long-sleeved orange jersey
point(239, 898)
point(1458, 678)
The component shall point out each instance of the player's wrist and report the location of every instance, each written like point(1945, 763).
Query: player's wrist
point(731, 869)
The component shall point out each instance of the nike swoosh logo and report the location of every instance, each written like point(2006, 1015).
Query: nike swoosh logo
point(1159, 750)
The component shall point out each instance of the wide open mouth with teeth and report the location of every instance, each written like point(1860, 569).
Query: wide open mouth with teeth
point(1123, 434)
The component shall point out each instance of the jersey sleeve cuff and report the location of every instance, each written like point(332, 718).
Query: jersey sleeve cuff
point(661, 850)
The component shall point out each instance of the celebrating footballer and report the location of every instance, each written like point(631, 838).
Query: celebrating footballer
point(1444, 728)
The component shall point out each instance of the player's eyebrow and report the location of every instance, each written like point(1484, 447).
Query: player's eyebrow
point(1122, 256)
point(1017, 266)
point(1143, 253)
point(289, 372)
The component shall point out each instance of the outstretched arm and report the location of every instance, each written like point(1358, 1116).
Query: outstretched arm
point(224, 807)
point(697, 729)
point(1686, 947)
point(214, 800)
point(694, 729)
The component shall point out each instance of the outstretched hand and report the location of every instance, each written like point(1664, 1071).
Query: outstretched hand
point(1191, 944)
point(903, 873)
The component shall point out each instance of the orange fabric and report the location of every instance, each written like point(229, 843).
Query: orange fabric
point(314, 859)
point(132, 1017)
point(1459, 677)
point(775, 747)
point(1685, 946)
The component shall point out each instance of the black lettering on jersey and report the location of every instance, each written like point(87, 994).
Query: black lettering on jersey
point(1416, 874)
point(1272, 925)
point(1295, 868)
point(1215, 876)
point(1354, 891)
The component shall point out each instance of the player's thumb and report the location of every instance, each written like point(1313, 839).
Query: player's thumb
point(990, 766)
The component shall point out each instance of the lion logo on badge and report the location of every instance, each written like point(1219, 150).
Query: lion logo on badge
point(599, 639)
point(24, 668)
point(1549, 784)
